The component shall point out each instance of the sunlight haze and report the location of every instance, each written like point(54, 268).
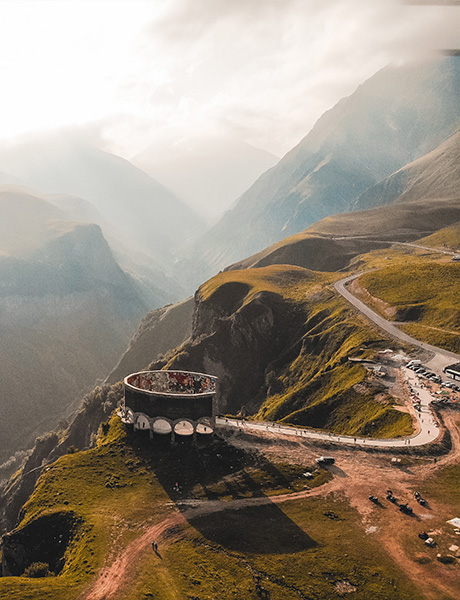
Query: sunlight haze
point(260, 71)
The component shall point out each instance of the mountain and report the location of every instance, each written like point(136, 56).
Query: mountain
point(276, 335)
point(67, 311)
point(208, 172)
point(332, 243)
point(397, 116)
point(414, 202)
point(144, 215)
point(435, 176)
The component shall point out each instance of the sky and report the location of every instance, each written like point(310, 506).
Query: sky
point(131, 73)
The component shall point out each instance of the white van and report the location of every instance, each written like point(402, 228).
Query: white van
point(413, 363)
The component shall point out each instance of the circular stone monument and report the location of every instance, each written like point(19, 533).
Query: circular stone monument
point(170, 402)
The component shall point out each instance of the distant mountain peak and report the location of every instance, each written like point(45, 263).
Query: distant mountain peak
point(209, 172)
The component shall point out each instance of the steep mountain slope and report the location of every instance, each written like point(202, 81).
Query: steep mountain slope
point(145, 215)
point(67, 311)
point(434, 176)
point(416, 201)
point(208, 172)
point(398, 115)
point(266, 331)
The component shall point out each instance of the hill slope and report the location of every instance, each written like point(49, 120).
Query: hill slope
point(144, 214)
point(67, 311)
point(398, 115)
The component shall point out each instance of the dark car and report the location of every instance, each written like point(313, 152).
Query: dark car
point(325, 460)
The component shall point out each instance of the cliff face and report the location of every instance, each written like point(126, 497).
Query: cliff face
point(237, 339)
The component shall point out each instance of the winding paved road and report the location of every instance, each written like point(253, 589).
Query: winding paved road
point(441, 358)
point(428, 426)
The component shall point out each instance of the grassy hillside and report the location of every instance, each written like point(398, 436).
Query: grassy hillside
point(291, 282)
point(424, 295)
point(279, 339)
point(97, 502)
point(320, 388)
point(448, 237)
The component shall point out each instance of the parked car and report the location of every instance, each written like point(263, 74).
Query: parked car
point(325, 460)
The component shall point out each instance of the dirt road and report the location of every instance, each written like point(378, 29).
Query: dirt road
point(358, 475)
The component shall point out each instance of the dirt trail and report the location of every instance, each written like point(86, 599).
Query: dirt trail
point(359, 476)
point(111, 578)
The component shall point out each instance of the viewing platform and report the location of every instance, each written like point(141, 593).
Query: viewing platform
point(170, 402)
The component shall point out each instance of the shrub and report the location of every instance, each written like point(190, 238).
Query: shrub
point(38, 569)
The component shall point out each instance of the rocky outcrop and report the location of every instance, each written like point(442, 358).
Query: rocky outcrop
point(237, 339)
point(43, 540)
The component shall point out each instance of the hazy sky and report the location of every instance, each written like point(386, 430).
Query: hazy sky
point(140, 70)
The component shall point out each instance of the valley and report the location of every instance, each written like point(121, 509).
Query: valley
point(304, 287)
point(236, 515)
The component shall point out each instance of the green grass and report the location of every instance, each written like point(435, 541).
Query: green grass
point(424, 294)
point(320, 388)
point(447, 237)
point(288, 281)
point(297, 549)
point(293, 550)
point(126, 481)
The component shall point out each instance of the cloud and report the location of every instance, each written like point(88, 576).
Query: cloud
point(267, 69)
point(262, 69)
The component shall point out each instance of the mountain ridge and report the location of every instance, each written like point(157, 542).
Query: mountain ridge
point(396, 116)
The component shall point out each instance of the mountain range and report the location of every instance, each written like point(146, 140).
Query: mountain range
point(207, 172)
point(394, 118)
point(67, 310)
point(372, 191)
point(393, 141)
point(144, 216)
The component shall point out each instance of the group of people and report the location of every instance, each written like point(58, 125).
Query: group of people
point(174, 382)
